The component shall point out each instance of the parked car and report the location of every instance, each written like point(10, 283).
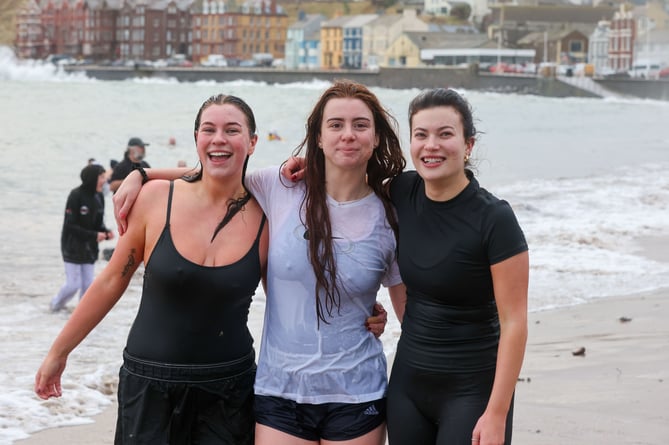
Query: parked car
point(61, 59)
point(179, 60)
point(645, 69)
point(214, 60)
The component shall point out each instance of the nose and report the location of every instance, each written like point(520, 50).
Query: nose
point(431, 142)
point(348, 132)
point(219, 137)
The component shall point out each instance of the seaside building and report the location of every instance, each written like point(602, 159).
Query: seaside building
point(414, 49)
point(332, 42)
point(652, 39)
point(29, 41)
point(598, 48)
point(303, 42)
point(254, 32)
point(510, 23)
point(381, 32)
point(566, 46)
point(99, 41)
point(621, 40)
point(238, 31)
point(156, 29)
point(352, 34)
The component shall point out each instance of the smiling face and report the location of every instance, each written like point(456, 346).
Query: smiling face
point(347, 134)
point(224, 140)
point(438, 145)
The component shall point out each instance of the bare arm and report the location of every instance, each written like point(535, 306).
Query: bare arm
point(98, 300)
point(398, 296)
point(510, 281)
point(126, 194)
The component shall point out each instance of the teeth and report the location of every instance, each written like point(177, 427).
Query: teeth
point(219, 155)
point(432, 160)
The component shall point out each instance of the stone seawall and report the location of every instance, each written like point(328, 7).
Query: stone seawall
point(397, 78)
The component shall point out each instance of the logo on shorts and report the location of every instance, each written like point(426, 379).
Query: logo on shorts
point(371, 411)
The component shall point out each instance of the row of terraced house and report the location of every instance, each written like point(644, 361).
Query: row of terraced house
point(157, 29)
point(149, 30)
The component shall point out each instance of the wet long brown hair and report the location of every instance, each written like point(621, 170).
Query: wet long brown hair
point(386, 162)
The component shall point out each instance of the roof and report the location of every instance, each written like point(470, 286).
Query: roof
point(553, 13)
point(424, 40)
point(550, 35)
point(337, 22)
point(308, 20)
point(360, 20)
point(386, 20)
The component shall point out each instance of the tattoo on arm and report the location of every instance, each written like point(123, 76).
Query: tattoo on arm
point(129, 265)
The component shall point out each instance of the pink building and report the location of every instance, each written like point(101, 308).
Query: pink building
point(621, 40)
point(29, 41)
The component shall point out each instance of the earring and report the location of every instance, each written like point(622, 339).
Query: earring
point(466, 157)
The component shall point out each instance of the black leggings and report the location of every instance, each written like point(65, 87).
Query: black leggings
point(428, 408)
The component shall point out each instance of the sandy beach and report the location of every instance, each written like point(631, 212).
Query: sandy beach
point(614, 393)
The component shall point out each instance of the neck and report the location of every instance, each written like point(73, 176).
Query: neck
point(447, 189)
point(216, 191)
point(345, 186)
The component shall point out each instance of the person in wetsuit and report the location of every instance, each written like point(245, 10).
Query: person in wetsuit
point(463, 258)
point(189, 363)
point(83, 229)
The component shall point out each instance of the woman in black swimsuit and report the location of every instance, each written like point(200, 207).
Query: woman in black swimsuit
point(189, 363)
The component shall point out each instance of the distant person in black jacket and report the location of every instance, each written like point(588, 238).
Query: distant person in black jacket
point(132, 159)
point(83, 229)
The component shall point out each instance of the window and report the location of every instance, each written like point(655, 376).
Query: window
point(575, 46)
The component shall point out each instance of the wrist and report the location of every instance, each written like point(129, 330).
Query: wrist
point(142, 172)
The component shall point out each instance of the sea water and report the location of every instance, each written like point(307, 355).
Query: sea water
point(587, 178)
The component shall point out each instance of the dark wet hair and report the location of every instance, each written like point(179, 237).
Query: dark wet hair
point(89, 177)
point(386, 162)
point(234, 205)
point(222, 99)
point(444, 97)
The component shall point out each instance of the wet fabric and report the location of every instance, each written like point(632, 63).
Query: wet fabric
point(301, 359)
point(183, 405)
point(329, 421)
point(191, 313)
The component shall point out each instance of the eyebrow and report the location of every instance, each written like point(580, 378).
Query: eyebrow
point(443, 127)
point(226, 125)
point(355, 119)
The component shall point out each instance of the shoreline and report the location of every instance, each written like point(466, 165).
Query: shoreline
point(614, 393)
point(402, 78)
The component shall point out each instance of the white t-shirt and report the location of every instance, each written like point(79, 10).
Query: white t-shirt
point(338, 362)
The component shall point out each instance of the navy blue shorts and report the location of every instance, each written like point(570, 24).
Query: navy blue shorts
point(185, 404)
point(329, 421)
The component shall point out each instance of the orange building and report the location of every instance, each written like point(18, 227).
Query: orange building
point(238, 34)
point(332, 42)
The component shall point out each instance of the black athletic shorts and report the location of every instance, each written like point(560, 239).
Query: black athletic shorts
point(329, 421)
point(179, 404)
